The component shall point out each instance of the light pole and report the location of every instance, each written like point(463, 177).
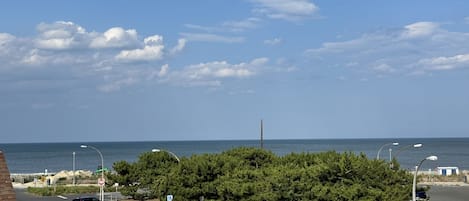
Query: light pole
point(169, 197)
point(171, 153)
point(73, 182)
point(414, 184)
point(393, 144)
point(101, 183)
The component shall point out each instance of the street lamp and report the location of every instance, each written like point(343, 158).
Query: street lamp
point(170, 197)
point(101, 183)
point(393, 144)
point(171, 153)
point(431, 158)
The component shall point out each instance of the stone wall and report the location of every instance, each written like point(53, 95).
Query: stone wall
point(6, 188)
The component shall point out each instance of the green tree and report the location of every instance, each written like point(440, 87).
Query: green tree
point(253, 174)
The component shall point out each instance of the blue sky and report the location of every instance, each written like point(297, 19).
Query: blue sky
point(209, 70)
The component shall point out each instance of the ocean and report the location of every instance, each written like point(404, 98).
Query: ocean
point(54, 157)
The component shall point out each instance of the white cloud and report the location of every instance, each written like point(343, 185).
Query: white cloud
point(164, 70)
point(179, 47)
point(412, 49)
point(116, 37)
point(446, 63)
point(153, 50)
point(274, 41)
point(202, 37)
point(384, 68)
point(5, 38)
point(285, 9)
point(6, 48)
point(68, 35)
point(218, 69)
point(61, 35)
point(420, 29)
point(212, 73)
point(34, 58)
point(155, 74)
point(66, 49)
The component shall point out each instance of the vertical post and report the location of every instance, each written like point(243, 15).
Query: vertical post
point(262, 134)
point(390, 154)
point(73, 182)
point(414, 182)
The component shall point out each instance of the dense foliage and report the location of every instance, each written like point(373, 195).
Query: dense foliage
point(255, 174)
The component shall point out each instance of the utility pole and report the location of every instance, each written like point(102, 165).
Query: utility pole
point(262, 134)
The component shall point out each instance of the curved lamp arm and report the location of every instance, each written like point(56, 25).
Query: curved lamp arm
point(100, 155)
point(171, 153)
point(393, 143)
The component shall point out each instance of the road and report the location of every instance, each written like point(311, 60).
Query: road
point(21, 195)
point(449, 193)
point(436, 193)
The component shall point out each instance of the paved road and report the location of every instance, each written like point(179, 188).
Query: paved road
point(21, 195)
point(449, 193)
point(436, 193)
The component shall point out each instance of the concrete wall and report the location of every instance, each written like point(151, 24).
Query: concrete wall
point(6, 188)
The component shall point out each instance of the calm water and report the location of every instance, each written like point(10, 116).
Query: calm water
point(36, 157)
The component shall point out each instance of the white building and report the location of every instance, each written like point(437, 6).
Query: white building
point(447, 171)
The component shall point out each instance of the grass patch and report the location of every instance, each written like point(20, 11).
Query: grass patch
point(62, 190)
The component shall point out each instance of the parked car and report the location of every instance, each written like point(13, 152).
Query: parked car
point(421, 195)
point(86, 199)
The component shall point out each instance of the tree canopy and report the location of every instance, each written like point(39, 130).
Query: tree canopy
point(251, 174)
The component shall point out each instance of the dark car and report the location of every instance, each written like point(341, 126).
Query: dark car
point(421, 195)
point(86, 199)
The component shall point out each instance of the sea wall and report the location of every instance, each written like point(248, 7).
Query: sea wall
point(6, 188)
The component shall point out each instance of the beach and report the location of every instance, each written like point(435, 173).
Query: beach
point(64, 177)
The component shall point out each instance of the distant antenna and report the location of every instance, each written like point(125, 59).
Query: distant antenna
point(262, 134)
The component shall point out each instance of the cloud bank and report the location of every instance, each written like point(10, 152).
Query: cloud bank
point(113, 59)
point(416, 49)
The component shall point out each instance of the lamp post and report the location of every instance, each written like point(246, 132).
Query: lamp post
point(393, 144)
point(414, 184)
point(169, 197)
point(73, 182)
point(171, 153)
point(101, 186)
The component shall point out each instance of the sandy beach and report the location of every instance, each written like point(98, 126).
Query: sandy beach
point(41, 180)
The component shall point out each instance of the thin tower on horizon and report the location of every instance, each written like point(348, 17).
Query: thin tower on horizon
point(262, 134)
